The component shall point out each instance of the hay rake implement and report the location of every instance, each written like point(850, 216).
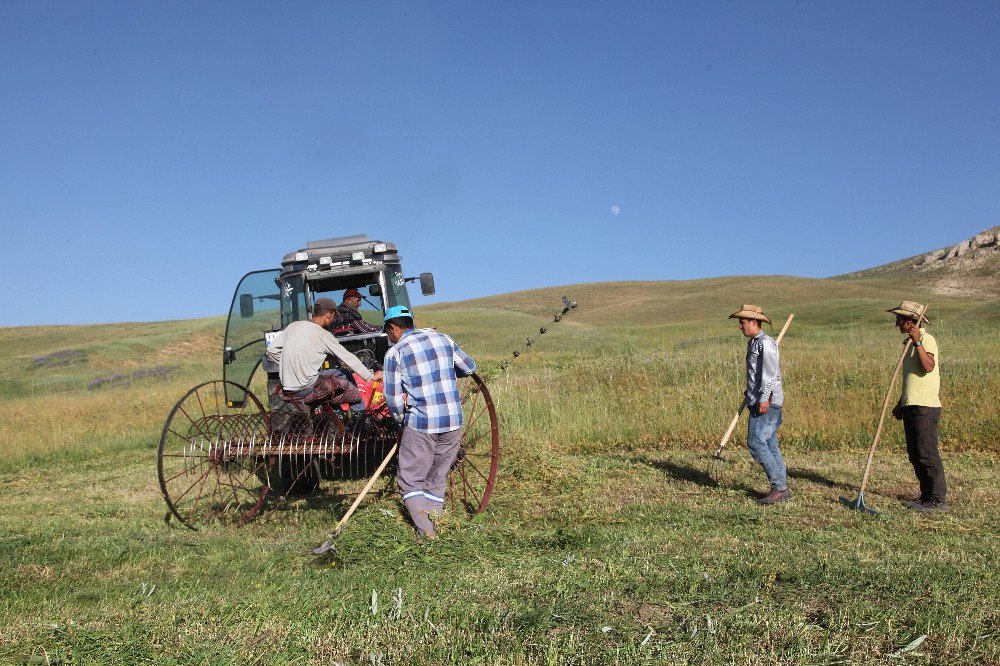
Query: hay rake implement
point(224, 457)
point(220, 465)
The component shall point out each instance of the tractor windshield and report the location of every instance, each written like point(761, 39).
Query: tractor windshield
point(367, 285)
point(378, 290)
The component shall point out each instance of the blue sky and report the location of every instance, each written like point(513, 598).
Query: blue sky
point(151, 153)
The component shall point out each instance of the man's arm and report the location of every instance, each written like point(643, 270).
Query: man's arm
point(925, 357)
point(273, 350)
point(464, 365)
point(392, 387)
point(362, 326)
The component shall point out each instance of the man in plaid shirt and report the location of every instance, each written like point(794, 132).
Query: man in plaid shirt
point(421, 391)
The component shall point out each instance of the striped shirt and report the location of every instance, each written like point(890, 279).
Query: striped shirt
point(424, 366)
point(763, 371)
point(348, 321)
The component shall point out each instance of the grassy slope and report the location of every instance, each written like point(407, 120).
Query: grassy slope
point(614, 537)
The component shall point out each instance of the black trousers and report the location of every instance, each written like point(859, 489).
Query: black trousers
point(921, 427)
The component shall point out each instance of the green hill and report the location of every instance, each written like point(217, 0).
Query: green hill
point(959, 283)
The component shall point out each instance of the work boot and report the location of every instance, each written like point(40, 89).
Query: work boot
point(776, 496)
point(928, 505)
point(417, 509)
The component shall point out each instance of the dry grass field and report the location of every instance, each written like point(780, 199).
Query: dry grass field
point(614, 537)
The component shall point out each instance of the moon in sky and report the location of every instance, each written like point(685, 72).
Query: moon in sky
point(615, 210)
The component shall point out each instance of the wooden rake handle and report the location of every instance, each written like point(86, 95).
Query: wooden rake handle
point(732, 424)
point(368, 486)
point(885, 405)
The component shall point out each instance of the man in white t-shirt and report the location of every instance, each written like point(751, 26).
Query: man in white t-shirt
point(300, 351)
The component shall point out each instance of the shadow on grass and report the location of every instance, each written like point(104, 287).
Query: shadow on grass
point(325, 498)
point(815, 477)
point(690, 474)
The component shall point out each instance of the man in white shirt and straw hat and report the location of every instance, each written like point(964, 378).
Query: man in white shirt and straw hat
point(764, 399)
point(919, 407)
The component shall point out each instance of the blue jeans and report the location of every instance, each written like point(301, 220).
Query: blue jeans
point(762, 440)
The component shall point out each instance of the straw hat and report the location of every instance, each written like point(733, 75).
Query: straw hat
point(910, 309)
point(748, 311)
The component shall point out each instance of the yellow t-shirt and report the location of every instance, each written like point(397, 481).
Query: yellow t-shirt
point(919, 387)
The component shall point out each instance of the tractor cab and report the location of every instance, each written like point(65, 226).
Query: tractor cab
point(267, 301)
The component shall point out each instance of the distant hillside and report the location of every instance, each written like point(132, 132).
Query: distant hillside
point(969, 268)
point(819, 302)
point(961, 283)
point(963, 279)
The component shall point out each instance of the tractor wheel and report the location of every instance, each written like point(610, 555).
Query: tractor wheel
point(474, 473)
point(207, 470)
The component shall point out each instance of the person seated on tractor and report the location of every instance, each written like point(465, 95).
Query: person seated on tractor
point(348, 321)
point(300, 351)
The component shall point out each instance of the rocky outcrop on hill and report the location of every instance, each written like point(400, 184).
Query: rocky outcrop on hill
point(971, 267)
point(967, 252)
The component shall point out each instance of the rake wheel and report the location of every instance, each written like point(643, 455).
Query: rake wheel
point(474, 473)
point(203, 481)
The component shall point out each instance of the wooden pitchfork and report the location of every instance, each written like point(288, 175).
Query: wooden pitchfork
point(732, 424)
point(858, 503)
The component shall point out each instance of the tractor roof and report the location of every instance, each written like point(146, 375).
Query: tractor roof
point(345, 251)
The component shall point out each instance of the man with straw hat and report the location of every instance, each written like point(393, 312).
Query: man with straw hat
point(919, 407)
point(764, 398)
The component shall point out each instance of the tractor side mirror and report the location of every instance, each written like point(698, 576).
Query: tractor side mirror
point(374, 290)
point(427, 284)
point(246, 306)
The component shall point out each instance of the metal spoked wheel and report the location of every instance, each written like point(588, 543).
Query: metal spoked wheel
point(204, 480)
point(474, 474)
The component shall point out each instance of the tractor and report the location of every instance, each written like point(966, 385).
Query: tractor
point(224, 457)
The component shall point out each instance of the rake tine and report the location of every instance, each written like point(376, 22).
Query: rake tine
point(858, 504)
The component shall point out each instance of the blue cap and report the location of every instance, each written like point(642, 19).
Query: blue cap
point(398, 311)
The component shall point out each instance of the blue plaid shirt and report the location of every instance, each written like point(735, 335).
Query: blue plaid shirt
point(424, 366)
